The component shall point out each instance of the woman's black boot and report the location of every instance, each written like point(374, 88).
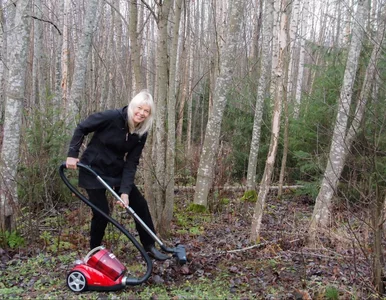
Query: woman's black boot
point(155, 253)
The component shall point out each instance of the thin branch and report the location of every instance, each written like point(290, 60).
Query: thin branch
point(150, 9)
point(36, 18)
point(235, 250)
point(118, 12)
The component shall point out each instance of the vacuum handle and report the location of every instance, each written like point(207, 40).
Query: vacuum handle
point(118, 198)
point(92, 251)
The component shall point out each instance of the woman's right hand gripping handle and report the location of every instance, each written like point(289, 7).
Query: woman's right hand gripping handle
point(71, 162)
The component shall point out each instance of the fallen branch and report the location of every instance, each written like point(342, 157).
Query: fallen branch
point(240, 188)
point(235, 250)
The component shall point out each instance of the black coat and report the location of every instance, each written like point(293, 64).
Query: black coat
point(113, 153)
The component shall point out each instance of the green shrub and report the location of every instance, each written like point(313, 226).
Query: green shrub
point(249, 196)
point(11, 239)
point(197, 208)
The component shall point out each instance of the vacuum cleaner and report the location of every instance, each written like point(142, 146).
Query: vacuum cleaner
point(100, 270)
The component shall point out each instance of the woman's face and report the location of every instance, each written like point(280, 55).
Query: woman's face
point(141, 112)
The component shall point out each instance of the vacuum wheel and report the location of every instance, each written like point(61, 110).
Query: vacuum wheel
point(76, 281)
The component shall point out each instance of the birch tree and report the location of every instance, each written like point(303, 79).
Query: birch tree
point(335, 163)
point(3, 47)
point(299, 80)
point(223, 82)
point(266, 30)
point(17, 61)
point(293, 36)
point(81, 60)
point(65, 56)
point(275, 127)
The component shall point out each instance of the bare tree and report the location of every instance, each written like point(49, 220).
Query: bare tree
point(300, 77)
point(167, 213)
point(81, 61)
point(321, 214)
point(275, 127)
point(17, 61)
point(3, 68)
point(227, 62)
point(261, 92)
point(160, 135)
point(135, 48)
point(293, 32)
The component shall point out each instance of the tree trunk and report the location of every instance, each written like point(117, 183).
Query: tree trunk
point(167, 213)
point(224, 80)
point(160, 135)
point(321, 213)
point(76, 97)
point(299, 81)
point(261, 93)
point(275, 57)
point(65, 59)
point(293, 37)
point(275, 128)
point(3, 69)
point(135, 54)
point(17, 63)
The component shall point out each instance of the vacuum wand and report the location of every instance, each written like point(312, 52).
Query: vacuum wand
point(179, 251)
point(131, 211)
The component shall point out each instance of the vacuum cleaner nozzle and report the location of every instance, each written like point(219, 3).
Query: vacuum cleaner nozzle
point(180, 254)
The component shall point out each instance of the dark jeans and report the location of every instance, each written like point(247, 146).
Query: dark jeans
point(99, 223)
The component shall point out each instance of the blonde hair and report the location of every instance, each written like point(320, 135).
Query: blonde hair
point(142, 98)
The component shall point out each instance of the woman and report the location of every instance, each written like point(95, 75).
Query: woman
point(114, 152)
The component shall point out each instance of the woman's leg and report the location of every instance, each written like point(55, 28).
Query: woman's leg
point(139, 204)
point(98, 222)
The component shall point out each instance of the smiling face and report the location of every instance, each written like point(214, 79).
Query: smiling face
point(140, 113)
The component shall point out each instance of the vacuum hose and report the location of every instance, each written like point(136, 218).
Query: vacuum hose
point(149, 264)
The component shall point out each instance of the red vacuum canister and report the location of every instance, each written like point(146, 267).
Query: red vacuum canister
point(100, 270)
point(107, 263)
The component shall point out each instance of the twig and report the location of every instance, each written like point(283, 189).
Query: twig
point(56, 27)
point(320, 255)
point(235, 250)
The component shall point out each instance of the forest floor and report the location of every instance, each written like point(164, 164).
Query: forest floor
point(222, 264)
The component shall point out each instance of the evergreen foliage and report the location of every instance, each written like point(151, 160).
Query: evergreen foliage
point(40, 186)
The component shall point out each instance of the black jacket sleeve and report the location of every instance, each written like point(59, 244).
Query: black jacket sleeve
point(130, 167)
point(91, 124)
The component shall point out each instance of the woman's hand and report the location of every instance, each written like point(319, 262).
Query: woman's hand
point(125, 199)
point(71, 162)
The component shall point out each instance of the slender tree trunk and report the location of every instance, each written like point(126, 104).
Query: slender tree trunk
point(58, 45)
point(3, 69)
point(17, 63)
point(275, 46)
point(261, 93)
point(167, 213)
point(138, 83)
point(184, 66)
point(224, 80)
point(160, 136)
point(321, 214)
point(37, 77)
point(65, 59)
point(293, 33)
point(275, 128)
point(76, 96)
point(285, 140)
point(299, 81)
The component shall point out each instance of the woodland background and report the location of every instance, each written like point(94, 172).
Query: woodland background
point(270, 98)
